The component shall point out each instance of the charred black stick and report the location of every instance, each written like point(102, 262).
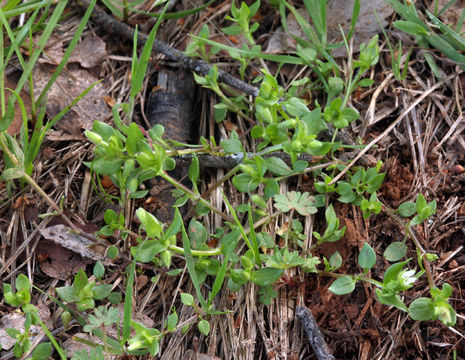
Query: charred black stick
point(314, 335)
point(228, 161)
point(114, 26)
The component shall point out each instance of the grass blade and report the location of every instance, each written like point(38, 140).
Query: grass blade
point(190, 263)
point(128, 302)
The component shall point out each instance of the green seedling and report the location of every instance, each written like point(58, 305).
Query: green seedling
point(422, 209)
point(396, 279)
point(332, 232)
point(83, 292)
point(436, 307)
point(146, 339)
point(334, 262)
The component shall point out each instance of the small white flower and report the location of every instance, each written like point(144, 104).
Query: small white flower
point(407, 277)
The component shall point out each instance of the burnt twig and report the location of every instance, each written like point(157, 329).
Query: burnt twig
point(228, 161)
point(114, 26)
point(315, 337)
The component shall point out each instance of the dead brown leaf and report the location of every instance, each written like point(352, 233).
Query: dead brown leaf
point(15, 126)
point(339, 12)
point(89, 52)
point(67, 238)
point(69, 85)
point(58, 262)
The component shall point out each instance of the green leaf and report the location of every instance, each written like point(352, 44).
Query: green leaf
point(343, 285)
point(191, 265)
point(395, 251)
point(99, 270)
point(335, 261)
point(201, 209)
point(106, 167)
point(277, 166)
point(146, 251)
point(101, 291)
point(265, 294)
point(406, 209)
point(134, 135)
point(194, 170)
point(416, 220)
point(103, 129)
point(22, 283)
point(187, 299)
point(421, 309)
point(365, 82)
point(302, 203)
point(127, 313)
point(367, 257)
point(152, 225)
point(257, 132)
point(110, 216)
point(197, 235)
point(271, 188)
point(80, 280)
point(393, 272)
point(172, 321)
point(112, 252)
point(391, 299)
point(445, 313)
point(232, 146)
point(244, 183)
point(42, 351)
point(420, 203)
point(265, 276)
point(204, 327)
point(175, 226)
point(411, 28)
point(13, 173)
point(13, 333)
point(295, 107)
point(115, 297)
point(66, 293)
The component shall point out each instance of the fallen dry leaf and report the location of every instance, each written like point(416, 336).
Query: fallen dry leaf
point(67, 238)
point(89, 52)
point(69, 85)
point(58, 262)
point(15, 126)
point(339, 12)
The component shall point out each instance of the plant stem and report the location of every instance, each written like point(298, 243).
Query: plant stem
point(52, 338)
point(180, 250)
point(196, 197)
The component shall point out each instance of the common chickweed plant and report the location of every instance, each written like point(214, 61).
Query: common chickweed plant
point(246, 252)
